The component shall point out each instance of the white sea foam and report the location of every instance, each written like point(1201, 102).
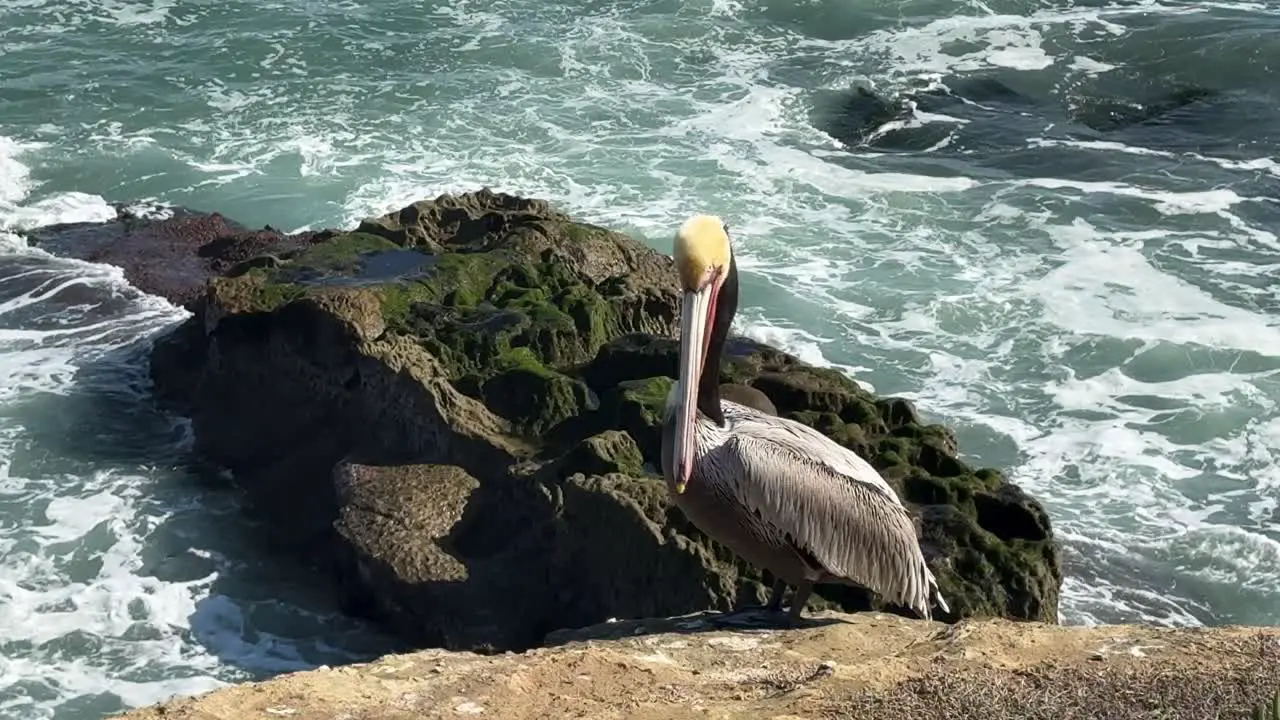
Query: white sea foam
point(86, 615)
point(47, 604)
point(1264, 164)
point(16, 183)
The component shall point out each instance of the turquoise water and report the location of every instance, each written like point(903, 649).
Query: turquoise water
point(1071, 270)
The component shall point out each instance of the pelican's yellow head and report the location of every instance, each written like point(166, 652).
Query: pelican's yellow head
point(701, 251)
point(703, 262)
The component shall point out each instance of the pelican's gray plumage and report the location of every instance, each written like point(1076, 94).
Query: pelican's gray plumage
point(776, 492)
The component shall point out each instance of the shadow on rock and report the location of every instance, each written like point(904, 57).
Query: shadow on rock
point(691, 624)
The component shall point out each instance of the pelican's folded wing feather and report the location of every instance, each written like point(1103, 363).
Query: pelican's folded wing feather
point(833, 504)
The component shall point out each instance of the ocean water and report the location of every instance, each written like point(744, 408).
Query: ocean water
point(1074, 271)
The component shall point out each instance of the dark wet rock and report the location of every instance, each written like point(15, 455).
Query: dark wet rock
point(992, 116)
point(169, 252)
point(487, 377)
point(862, 118)
point(1107, 114)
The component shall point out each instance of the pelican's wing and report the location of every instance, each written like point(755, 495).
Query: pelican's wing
point(833, 504)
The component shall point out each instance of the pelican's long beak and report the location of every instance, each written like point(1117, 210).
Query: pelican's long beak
point(697, 308)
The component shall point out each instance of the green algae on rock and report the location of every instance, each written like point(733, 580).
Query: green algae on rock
point(455, 407)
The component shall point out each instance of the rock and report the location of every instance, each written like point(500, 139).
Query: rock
point(169, 252)
point(454, 407)
point(749, 396)
point(396, 529)
point(612, 451)
point(1161, 105)
point(635, 406)
point(835, 666)
point(983, 114)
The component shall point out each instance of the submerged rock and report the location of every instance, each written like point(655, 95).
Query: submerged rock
point(455, 406)
point(983, 114)
point(170, 252)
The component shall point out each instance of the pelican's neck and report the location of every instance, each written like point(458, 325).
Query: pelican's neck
point(709, 383)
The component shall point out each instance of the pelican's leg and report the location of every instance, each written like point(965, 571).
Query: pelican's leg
point(775, 597)
point(755, 615)
point(774, 604)
point(799, 599)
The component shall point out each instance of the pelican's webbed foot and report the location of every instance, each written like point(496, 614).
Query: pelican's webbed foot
point(769, 615)
point(751, 617)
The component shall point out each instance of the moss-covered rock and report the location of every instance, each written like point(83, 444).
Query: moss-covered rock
point(488, 377)
point(612, 451)
point(635, 406)
point(503, 311)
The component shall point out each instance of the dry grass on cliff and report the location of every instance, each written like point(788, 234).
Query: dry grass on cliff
point(1207, 677)
point(1153, 692)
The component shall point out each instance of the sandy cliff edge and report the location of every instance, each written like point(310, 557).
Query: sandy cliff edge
point(835, 666)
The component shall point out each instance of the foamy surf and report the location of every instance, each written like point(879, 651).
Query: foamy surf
point(116, 591)
point(72, 542)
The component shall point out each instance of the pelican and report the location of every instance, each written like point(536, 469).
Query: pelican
point(776, 492)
